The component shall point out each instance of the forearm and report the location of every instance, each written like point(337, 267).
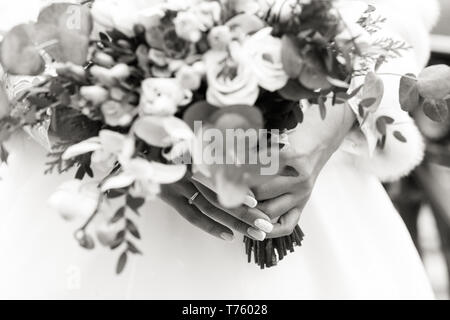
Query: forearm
point(323, 135)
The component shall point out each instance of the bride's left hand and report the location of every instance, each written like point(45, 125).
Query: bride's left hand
point(312, 145)
point(284, 197)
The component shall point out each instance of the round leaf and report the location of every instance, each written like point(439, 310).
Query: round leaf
point(436, 110)
point(18, 54)
point(373, 88)
point(409, 93)
point(434, 82)
point(64, 29)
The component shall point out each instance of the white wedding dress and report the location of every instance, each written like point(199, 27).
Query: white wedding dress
point(356, 245)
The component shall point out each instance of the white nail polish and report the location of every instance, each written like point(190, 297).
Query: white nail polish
point(256, 234)
point(227, 237)
point(264, 225)
point(250, 202)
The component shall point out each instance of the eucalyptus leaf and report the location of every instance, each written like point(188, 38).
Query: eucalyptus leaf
point(119, 215)
point(434, 82)
point(382, 123)
point(122, 262)
point(436, 110)
point(409, 93)
point(135, 203)
point(400, 137)
point(132, 228)
point(70, 25)
point(373, 88)
point(18, 54)
point(3, 154)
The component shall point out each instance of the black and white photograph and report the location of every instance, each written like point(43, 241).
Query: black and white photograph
point(225, 150)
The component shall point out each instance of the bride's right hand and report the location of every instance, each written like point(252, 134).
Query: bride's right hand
point(205, 212)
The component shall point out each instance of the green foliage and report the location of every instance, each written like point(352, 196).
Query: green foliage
point(429, 90)
point(62, 31)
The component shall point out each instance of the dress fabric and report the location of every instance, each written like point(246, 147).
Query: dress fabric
point(356, 245)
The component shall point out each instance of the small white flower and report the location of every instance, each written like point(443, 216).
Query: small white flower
point(75, 199)
point(146, 173)
point(162, 132)
point(188, 26)
point(117, 114)
point(106, 149)
point(162, 97)
point(95, 94)
point(189, 78)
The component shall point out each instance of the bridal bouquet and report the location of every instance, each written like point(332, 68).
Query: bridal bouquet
point(120, 88)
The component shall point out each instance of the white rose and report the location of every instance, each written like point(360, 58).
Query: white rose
point(208, 13)
point(231, 82)
point(265, 59)
point(161, 97)
point(75, 199)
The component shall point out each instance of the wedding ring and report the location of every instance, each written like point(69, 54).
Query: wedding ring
point(192, 199)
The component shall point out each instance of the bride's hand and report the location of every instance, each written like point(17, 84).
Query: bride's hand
point(205, 213)
point(312, 145)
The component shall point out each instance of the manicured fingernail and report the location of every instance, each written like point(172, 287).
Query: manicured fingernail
point(256, 234)
point(227, 236)
point(264, 225)
point(250, 202)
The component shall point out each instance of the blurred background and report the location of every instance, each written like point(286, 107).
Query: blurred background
point(423, 199)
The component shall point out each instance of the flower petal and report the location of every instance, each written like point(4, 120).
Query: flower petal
point(81, 148)
point(112, 142)
point(118, 182)
point(230, 194)
point(167, 174)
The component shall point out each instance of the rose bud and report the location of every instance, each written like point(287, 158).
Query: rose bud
point(120, 71)
point(104, 60)
point(95, 94)
point(188, 78)
point(103, 75)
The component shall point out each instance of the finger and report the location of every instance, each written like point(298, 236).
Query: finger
point(207, 207)
point(251, 216)
point(228, 220)
point(194, 216)
point(286, 224)
point(274, 188)
point(278, 207)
